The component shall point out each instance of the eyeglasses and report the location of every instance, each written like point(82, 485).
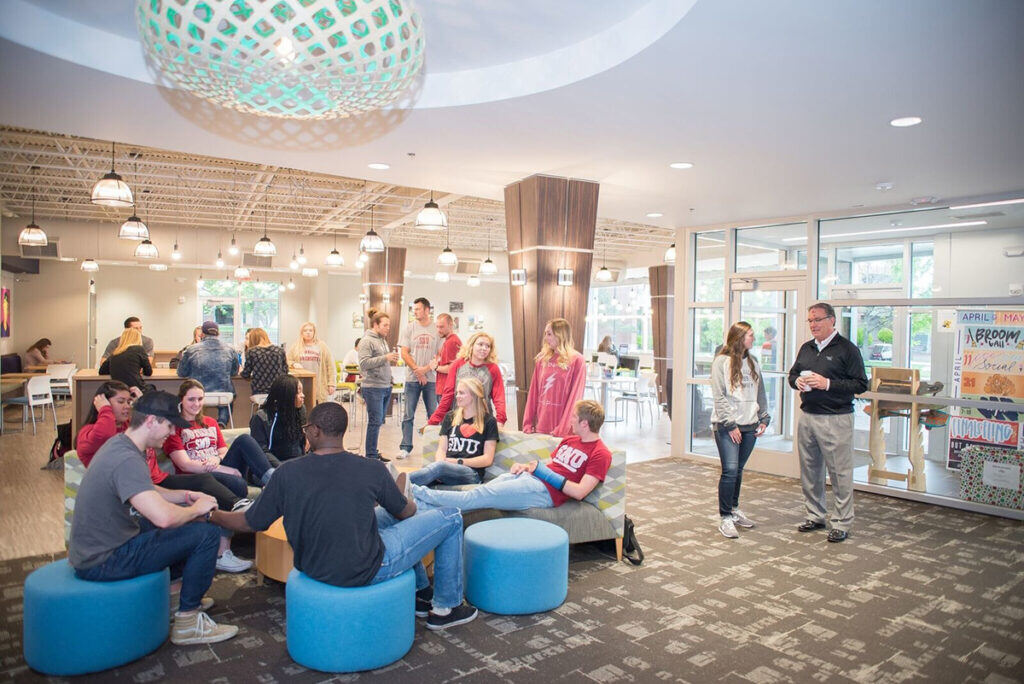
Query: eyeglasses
point(309, 425)
point(812, 321)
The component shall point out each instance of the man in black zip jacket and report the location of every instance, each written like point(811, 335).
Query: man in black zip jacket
point(828, 371)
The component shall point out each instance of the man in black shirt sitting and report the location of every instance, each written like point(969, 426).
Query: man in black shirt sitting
point(828, 371)
point(327, 499)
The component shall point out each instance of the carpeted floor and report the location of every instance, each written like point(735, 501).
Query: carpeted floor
point(918, 593)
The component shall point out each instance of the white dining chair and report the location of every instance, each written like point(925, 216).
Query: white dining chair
point(60, 378)
point(219, 399)
point(37, 393)
point(640, 396)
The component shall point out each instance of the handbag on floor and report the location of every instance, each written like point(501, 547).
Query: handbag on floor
point(631, 550)
point(61, 445)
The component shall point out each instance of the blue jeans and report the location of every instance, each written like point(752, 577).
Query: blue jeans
point(224, 415)
point(245, 454)
point(443, 472)
point(506, 492)
point(407, 541)
point(190, 551)
point(376, 399)
point(413, 391)
point(734, 457)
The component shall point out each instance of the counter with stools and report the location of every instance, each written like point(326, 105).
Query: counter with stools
point(87, 381)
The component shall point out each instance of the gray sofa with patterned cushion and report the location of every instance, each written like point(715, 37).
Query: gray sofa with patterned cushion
point(74, 471)
point(599, 516)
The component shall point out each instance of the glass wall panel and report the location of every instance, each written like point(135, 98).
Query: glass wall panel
point(765, 248)
point(709, 267)
point(701, 439)
point(708, 335)
point(622, 312)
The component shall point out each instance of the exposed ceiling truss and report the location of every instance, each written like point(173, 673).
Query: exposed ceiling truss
point(206, 192)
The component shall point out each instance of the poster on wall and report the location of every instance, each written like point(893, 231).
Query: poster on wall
point(988, 365)
point(5, 315)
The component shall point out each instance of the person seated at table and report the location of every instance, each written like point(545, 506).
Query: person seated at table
point(351, 360)
point(578, 464)
point(478, 359)
point(329, 500)
point(130, 322)
point(197, 337)
point(39, 353)
point(264, 361)
point(125, 526)
point(110, 415)
point(277, 426)
point(469, 437)
point(128, 362)
point(213, 363)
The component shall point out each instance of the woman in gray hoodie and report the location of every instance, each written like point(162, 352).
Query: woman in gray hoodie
point(739, 417)
point(375, 359)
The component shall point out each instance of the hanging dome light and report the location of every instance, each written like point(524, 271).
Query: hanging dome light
point(442, 276)
point(302, 256)
point(371, 242)
point(670, 254)
point(233, 247)
point(158, 267)
point(133, 229)
point(175, 253)
point(604, 275)
point(311, 272)
point(281, 287)
point(291, 284)
point(431, 217)
point(335, 258)
point(242, 273)
point(293, 264)
point(32, 235)
point(447, 257)
point(264, 247)
point(220, 260)
point(488, 267)
point(473, 281)
point(146, 250)
point(90, 266)
point(111, 191)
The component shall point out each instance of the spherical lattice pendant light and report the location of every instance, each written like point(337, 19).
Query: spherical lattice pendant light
point(290, 58)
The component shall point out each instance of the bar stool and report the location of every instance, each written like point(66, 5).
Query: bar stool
point(257, 403)
point(219, 399)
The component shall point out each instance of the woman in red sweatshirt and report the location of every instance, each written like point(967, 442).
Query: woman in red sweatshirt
point(478, 359)
point(558, 381)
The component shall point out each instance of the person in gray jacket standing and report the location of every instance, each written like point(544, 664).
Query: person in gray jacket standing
point(739, 417)
point(375, 359)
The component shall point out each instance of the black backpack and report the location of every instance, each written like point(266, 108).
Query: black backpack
point(631, 550)
point(61, 445)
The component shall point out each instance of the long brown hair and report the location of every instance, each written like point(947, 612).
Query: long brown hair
point(737, 351)
point(565, 351)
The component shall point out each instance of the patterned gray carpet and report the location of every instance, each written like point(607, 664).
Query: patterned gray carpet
point(918, 593)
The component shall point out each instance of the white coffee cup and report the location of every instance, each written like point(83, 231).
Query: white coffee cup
point(804, 374)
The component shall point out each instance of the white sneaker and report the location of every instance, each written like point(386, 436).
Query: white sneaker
point(242, 505)
point(403, 454)
point(199, 628)
point(229, 562)
point(728, 528)
point(740, 519)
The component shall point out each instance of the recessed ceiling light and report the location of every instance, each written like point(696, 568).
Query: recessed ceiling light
point(884, 187)
point(905, 121)
point(681, 165)
point(655, 214)
point(379, 167)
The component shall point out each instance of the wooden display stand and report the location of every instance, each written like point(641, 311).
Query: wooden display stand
point(910, 379)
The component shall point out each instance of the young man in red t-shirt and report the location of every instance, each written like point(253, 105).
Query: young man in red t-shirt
point(450, 345)
point(578, 464)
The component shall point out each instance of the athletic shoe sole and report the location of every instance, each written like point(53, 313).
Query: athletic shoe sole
point(454, 623)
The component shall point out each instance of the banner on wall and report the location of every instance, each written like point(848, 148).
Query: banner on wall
point(988, 364)
point(5, 313)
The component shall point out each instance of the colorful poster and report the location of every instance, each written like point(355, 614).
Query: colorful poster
point(5, 312)
point(988, 365)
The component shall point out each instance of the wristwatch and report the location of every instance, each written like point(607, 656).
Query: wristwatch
point(209, 516)
point(459, 461)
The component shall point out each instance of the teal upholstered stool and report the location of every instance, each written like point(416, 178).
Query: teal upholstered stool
point(348, 629)
point(516, 566)
point(74, 626)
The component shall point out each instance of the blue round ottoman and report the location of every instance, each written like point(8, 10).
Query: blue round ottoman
point(516, 566)
point(74, 626)
point(348, 629)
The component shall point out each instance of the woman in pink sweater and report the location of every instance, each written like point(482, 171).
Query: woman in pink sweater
point(558, 381)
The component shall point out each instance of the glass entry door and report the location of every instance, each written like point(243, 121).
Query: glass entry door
point(774, 310)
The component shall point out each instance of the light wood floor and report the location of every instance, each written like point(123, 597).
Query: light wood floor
point(32, 500)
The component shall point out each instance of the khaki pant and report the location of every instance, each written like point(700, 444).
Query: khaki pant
point(826, 444)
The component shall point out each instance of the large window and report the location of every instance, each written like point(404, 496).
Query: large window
point(771, 248)
point(237, 306)
point(622, 312)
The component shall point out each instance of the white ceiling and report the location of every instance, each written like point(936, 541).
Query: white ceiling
point(783, 107)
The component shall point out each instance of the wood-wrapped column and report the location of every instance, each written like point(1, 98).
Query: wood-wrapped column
point(662, 279)
point(384, 273)
point(550, 223)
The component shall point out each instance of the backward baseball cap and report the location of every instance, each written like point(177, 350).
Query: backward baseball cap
point(162, 405)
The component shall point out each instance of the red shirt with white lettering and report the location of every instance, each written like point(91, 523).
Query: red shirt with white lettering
point(200, 440)
point(573, 458)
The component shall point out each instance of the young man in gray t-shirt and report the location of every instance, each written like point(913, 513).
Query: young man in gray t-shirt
point(111, 541)
point(420, 343)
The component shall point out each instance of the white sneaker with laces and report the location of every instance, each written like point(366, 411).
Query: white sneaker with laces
point(199, 628)
point(728, 528)
point(740, 519)
point(242, 505)
point(403, 454)
point(229, 562)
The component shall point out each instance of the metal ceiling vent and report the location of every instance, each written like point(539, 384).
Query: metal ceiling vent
point(468, 266)
point(250, 260)
point(51, 250)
